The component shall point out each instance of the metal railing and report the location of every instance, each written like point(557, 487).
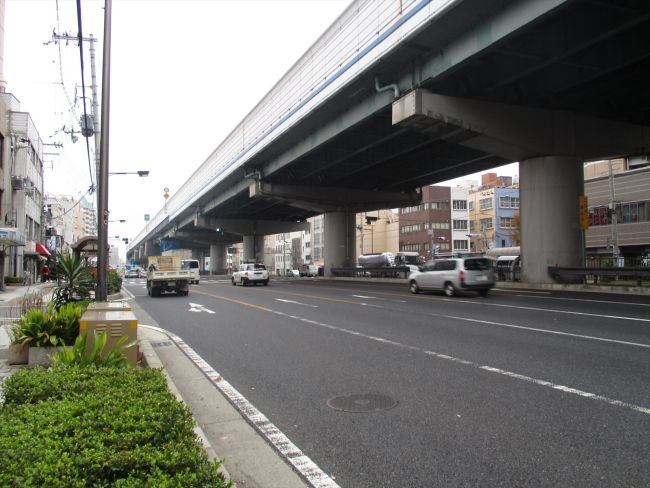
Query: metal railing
point(601, 275)
point(377, 272)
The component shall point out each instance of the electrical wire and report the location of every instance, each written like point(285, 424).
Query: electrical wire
point(65, 91)
point(88, 192)
point(83, 93)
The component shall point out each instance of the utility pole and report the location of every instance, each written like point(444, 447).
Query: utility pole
point(613, 211)
point(93, 87)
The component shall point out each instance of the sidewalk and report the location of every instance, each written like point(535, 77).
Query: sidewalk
point(227, 434)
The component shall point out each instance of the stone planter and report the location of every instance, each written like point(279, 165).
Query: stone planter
point(18, 353)
point(41, 355)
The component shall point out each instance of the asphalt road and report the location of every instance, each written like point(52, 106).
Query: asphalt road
point(522, 388)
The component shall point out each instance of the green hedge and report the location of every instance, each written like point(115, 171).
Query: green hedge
point(77, 427)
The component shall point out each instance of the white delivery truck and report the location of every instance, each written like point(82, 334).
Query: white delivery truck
point(164, 274)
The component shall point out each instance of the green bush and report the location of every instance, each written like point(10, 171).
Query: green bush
point(114, 282)
point(50, 328)
point(76, 280)
point(77, 356)
point(13, 280)
point(98, 427)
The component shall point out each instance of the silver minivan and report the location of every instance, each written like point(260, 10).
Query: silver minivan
point(454, 275)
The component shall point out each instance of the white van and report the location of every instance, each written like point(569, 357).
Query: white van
point(308, 270)
point(193, 266)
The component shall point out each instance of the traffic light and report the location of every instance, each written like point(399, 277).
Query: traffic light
point(219, 230)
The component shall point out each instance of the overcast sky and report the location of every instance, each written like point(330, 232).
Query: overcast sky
point(183, 74)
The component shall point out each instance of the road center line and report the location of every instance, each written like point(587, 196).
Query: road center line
point(510, 374)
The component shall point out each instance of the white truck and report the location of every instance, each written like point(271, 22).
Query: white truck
point(164, 274)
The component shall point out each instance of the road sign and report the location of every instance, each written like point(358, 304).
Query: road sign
point(584, 213)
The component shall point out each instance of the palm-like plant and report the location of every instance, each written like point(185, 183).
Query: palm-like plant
point(76, 281)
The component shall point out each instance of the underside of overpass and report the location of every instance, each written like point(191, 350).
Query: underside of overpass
point(585, 59)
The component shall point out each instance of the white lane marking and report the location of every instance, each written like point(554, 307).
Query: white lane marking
point(197, 307)
point(375, 298)
point(593, 301)
point(550, 310)
point(548, 384)
point(545, 331)
point(303, 464)
point(296, 303)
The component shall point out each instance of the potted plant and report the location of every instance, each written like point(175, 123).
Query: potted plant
point(44, 333)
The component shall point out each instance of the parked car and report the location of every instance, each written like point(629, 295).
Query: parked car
point(308, 270)
point(251, 273)
point(454, 275)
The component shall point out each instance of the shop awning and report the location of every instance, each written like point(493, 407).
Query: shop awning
point(40, 248)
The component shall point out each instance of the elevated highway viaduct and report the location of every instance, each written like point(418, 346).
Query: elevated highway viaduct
point(398, 95)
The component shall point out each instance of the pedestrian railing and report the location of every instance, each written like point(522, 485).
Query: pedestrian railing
point(608, 275)
point(378, 272)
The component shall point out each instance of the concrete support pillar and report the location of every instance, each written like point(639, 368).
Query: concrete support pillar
point(259, 249)
point(339, 240)
point(549, 188)
point(218, 258)
point(151, 249)
point(254, 248)
point(249, 248)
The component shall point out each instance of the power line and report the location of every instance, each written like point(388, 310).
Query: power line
point(83, 92)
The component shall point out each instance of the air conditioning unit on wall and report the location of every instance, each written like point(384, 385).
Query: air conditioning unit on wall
point(17, 183)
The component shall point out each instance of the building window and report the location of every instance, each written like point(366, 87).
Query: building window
point(485, 203)
point(506, 223)
point(410, 247)
point(470, 206)
point(509, 202)
point(439, 205)
point(408, 210)
point(440, 225)
point(460, 224)
point(486, 224)
point(461, 245)
point(410, 228)
point(460, 204)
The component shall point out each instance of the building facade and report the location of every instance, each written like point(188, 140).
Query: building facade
point(619, 209)
point(21, 193)
point(427, 228)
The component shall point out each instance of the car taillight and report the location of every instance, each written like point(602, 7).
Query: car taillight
point(462, 277)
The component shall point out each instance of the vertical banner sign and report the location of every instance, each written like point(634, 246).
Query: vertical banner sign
point(584, 213)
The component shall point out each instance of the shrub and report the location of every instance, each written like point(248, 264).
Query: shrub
point(98, 427)
point(114, 282)
point(50, 327)
point(76, 281)
point(13, 280)
point(76, 355)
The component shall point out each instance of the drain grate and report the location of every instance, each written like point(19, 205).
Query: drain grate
point(361, 402)
point(161, 344)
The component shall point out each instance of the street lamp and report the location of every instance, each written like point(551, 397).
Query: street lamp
point(141, 173)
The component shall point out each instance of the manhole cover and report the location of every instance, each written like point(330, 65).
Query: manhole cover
point(361, 402)
point(161, 344)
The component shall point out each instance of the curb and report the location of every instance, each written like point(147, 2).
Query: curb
point(151, 360)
